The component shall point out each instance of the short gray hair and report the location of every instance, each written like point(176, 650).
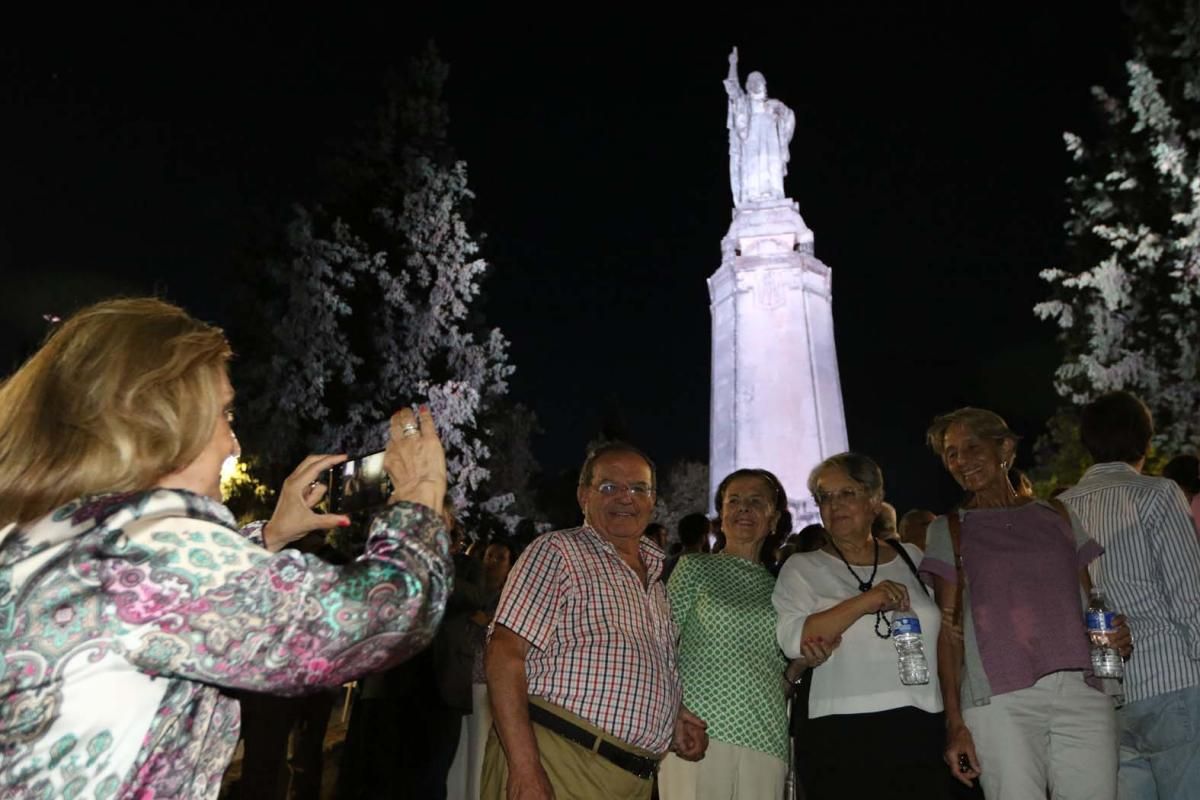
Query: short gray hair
point(608, 448)
point(860, 468)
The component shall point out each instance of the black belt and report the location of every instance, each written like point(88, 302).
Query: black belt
point(641, 766)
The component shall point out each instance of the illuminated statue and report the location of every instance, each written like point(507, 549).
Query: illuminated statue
point(760, 130)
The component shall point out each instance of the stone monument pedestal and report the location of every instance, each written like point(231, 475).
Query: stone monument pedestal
point(776, 393)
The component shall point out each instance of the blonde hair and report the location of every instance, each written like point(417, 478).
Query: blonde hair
point(122, 394)
point(981, 422)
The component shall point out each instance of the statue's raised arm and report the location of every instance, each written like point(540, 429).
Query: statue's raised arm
point(760, 131)
point(736, 119)
point(733, 85)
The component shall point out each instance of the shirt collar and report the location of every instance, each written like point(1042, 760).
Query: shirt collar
point(652, 555)
point(1110, 468)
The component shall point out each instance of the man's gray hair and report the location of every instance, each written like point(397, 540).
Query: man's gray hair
point(608, 448)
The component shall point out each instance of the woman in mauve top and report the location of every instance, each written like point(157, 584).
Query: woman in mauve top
point(1023, 713)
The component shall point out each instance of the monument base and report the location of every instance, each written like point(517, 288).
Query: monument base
point(776, 392)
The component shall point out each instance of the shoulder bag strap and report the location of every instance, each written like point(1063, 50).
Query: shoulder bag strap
point(956, 541)
point(899, 548)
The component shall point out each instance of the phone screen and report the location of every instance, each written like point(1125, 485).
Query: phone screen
point(359, 484)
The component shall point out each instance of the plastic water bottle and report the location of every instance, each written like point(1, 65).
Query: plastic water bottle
point(1106, 661)
point(906, 634)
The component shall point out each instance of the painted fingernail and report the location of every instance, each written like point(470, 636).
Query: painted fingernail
point(343, 523)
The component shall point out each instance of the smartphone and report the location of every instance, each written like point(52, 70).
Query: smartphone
point(360, 484)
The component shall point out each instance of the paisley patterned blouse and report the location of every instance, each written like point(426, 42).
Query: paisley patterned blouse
point(121, 615)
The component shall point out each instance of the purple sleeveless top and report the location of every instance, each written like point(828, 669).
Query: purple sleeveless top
point(1022, 566)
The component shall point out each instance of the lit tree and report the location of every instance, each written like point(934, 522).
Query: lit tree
point(512, 467)
point(377, 302)
point(1128, 306)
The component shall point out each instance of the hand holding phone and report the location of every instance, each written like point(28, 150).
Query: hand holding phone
point(415, 459)
point(359, 484)
point(293, 516)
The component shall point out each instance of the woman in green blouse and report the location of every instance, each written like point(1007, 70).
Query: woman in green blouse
point(732, 667)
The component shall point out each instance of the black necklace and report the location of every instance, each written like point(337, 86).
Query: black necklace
point(865, 586)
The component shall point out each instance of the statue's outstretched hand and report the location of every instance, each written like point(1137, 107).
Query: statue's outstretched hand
point(733, 56)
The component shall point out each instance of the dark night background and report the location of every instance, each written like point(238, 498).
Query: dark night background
point(136, 156)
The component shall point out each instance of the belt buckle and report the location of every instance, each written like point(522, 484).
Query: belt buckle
point(639, 765)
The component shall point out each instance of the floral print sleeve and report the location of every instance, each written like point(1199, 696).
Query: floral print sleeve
point(121, 615)
point(254, 532)
point(194, 599)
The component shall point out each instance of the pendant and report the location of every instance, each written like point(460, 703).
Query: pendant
point(864, 587)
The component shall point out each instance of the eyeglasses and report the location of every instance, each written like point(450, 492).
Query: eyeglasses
point(849, 494)
point(640, 491)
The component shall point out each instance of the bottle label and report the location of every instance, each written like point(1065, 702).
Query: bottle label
point(903, 625)
point(1100, 621)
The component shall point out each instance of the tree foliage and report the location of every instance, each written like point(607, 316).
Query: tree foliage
point(1127, 302)
point(377, 296)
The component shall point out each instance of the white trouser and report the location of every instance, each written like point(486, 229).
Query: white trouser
point(1059, 734)
point(463, 781)
point(726, 771)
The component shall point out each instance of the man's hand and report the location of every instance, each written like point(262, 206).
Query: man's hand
point(1122, 639)
point(529, 784)
point(691, 736)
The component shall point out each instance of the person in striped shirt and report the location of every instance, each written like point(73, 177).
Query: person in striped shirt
point(1151, 573)
point(581, 660)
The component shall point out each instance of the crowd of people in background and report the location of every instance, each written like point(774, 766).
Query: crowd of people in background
point(737, 658)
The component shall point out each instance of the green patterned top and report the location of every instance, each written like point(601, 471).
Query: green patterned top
point(732, 668)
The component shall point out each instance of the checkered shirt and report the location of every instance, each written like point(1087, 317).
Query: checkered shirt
point(602, 644)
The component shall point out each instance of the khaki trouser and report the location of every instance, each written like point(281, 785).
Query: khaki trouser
point(575, 772)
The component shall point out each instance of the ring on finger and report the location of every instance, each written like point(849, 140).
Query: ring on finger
point(409, 429)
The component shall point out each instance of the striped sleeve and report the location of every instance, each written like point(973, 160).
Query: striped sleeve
point(534, 593)
point(1087, 549)
point(1173, 544)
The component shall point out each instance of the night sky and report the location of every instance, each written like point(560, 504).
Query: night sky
point(927, 159)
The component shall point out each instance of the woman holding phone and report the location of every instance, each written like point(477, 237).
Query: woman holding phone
point(129, 598)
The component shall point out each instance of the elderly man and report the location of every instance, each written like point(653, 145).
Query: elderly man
point(1151, 573)
point(581, 662)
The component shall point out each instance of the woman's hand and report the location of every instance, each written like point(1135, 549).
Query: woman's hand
point(1122, 639)
point(814, 653)
point(415, 461)
point(960, 753)
point(888, 596)
point(294, 517)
